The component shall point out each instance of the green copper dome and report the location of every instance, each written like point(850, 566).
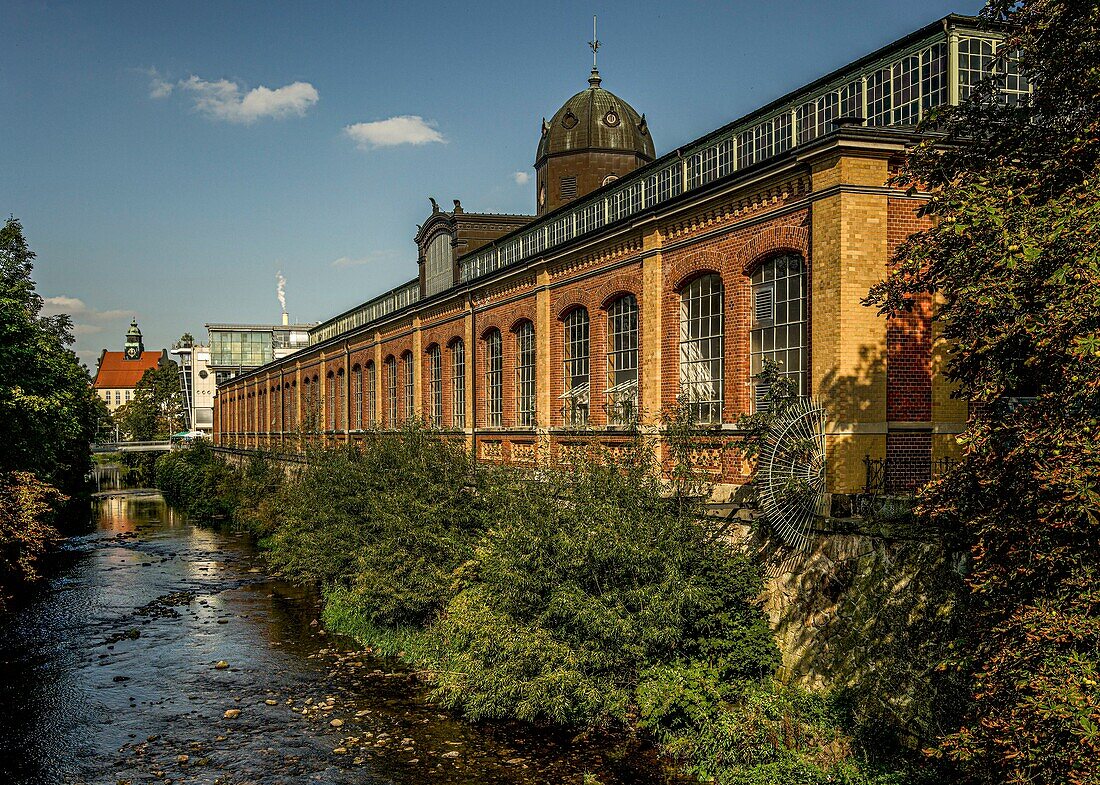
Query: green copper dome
point(595, 119)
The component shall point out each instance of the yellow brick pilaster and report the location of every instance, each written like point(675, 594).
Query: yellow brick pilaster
point(379, 396)
point(651, 312)
point(849, 254)
point(418, 368)
point(469, 340)
point(543, 402)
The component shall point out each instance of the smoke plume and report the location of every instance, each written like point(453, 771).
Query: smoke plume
point(281, 289)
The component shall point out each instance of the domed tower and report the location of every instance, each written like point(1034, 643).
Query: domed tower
point(134, 345)
point(593, 139)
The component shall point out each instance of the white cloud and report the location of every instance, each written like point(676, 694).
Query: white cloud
point(225, 100)
point(78, 309)
point(521, 178)
point(159, 87)
point(404, 129)
point(372, 257)
point(87, 329)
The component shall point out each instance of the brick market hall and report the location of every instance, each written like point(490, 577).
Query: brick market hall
point(644, 280)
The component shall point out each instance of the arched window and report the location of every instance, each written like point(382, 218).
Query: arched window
point(494, 378)
point(342, 397)
point(435, 381)
point(458, 384)
point(372, 395)
point(330, 407)
point(525, 375)
point(779, 322)
point(315, 409)
point(622, 360)
point(357, 397)
point(307, 404)
point(407, 361)
point(702, 348)
point(391, 389)
point(576, 397)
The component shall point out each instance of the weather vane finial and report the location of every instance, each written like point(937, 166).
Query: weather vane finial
point(594, 44)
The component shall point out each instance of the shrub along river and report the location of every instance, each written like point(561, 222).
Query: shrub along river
point(157, 651)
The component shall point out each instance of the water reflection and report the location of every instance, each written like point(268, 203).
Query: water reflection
point(108, 675)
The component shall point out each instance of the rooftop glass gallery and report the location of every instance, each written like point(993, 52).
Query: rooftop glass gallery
point(893, 87)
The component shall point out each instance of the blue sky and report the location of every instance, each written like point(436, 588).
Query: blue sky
point(155, 178)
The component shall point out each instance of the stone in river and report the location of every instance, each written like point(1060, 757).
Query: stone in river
point(221, 665)
point(451, 754)
point(340, 751)
point(270, 702)
point(337, 723)
point(232, 714)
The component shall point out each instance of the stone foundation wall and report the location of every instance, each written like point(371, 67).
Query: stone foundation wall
point(867, 610)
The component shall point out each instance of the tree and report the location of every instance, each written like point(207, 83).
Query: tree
point(156, 408)
point(48, 413)
point(1014, 257)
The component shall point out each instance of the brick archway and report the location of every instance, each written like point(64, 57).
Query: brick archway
point(615, 288)
point(771, 241)
point(700, 262)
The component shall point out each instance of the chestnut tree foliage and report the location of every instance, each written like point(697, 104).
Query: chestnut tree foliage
point(48, 414)
point(1014, 258)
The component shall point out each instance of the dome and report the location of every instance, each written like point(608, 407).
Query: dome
point(595, 119)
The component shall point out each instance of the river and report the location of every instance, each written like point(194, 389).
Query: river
point(108, 674)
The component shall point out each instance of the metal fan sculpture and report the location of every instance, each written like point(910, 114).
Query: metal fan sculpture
point(791, 472)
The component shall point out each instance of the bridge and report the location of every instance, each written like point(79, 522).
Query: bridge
point(158, 446)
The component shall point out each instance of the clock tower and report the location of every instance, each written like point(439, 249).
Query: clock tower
point(134, 346)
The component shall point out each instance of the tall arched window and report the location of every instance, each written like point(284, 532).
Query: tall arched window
point(494, 378)
point(330, 405)
point(342, 398)
point(391, 389)
point(292, 404)
point(525, 375)
point(407, 362)
point(622, 360)
point(458, 384)
point(779, 322)
point(435, 381)
point(357, 397)
point(307, 404)
point(372, 395)
point(577, 385)
point(702, 348)
point(315, 409)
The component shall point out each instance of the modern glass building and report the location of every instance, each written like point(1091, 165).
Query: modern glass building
point(237, 348)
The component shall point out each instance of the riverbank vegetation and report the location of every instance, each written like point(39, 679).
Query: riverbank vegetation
point(48, 416)
point(586, 596)
point(1014, 257)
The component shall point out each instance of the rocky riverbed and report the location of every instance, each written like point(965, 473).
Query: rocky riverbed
point(160, 652)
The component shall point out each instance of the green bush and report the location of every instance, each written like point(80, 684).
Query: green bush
point(774, 735)
point(587, 583)
point(197, 482)
point(389, 524)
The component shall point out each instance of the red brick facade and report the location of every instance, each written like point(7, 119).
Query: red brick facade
point(728, 233)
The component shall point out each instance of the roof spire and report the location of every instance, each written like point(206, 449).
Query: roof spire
point(594, 45)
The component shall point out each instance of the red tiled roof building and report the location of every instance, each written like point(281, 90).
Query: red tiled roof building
point(119, 372)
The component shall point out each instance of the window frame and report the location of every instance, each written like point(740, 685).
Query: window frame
point(494, 378)
point(621, 395)
point(526, 415)
point(702, 347)
point(458, 384)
